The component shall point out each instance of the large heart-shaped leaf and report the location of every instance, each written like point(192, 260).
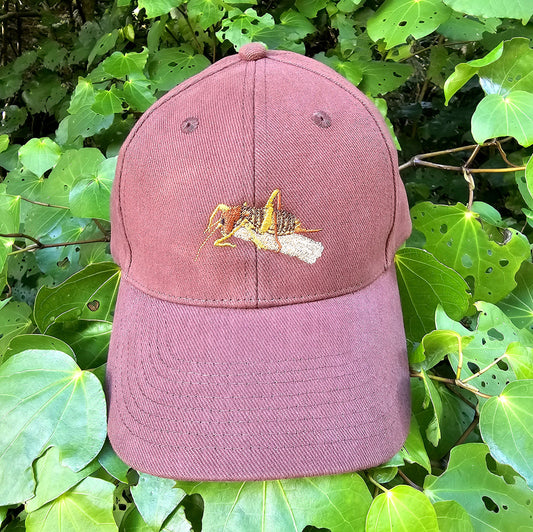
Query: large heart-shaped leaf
point(338, 502)
point(424, 283)
point(46, 401)
point(506, 425)
point(396, 20)
point(39, 155)
point(491, 501)
point(452, 517)
point(500, 115)
point(401, 508)
point(15, 319)
point(485, 256)
point(87, 506)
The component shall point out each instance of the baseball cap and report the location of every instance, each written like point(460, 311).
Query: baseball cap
point(258, 333)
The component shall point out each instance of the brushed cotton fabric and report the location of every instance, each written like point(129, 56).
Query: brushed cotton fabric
point(242, 363)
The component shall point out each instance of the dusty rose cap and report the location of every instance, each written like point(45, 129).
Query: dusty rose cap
point(258, 331)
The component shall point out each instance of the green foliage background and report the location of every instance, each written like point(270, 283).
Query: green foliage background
point(454, 79)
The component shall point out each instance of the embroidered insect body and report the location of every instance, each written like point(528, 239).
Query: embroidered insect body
point(256, 221)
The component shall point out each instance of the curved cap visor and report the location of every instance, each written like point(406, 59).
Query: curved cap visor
point(203, 393)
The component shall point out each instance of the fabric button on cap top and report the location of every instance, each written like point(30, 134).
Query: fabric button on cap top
point(252, 51)
point(258, 329)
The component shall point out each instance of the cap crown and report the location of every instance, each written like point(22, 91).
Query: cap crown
point(230, 137)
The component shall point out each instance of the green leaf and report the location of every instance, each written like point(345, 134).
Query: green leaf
point(485, 256)
point(380, 77)
point(170, 66)
point(88, 506)
point(72, 166)
point(23, 342)
point(460, 27)
point(208, 12)
point(493, 333)
point(518, 305)
point(39, 155)
point(119, 65)
point(295, 25)
point(138, 94)
point(452, 517)
point(339, 502)
point(413, 449)
point(430, 398)
point(83, 96)
point(396, 20)
point(506, 425)
point(241, 27)
point(53, 479)
point(4, 142)
point(500, 116)
point(401, 508)
point(47, 401)
point(15, 319)
point(9, 224)
point(90, 196)
point(424, 283)
point(155, 8)
point(89, 294)
point(156, 498)
point(436, 345)
point(520, 9)
point(520, 357)
point(351, 70)
point(112, 463)
point(468, 481)
point(310, 8)
point(106, 102)
point(105, 43)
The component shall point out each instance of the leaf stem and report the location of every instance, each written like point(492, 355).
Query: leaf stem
point(376, 483)
point(457, 382)
point(409, 481)
point(481, 371)
point(44, 204)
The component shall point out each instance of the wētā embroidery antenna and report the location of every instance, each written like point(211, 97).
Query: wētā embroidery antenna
point(255, 220)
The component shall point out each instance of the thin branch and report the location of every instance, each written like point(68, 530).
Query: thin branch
point(40, 245)
point(21, 235)
point(100, 226)
point(460, 362)
point(457, 382)
point(375, 482)
point(456, 392)
point(481, 371)
point(19, 14)
point(409, 481)
point(44, 204)
point(468, 430)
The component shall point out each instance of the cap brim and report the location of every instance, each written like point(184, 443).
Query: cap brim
point(203, 393)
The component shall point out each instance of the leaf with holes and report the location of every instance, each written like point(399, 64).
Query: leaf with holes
point(506, 426)
point(47, 401)
point(89, 294)
point(156, 498)
point(485, 256)
point(396, 20)
point(170, 66)
point(339, 502)
point(493, 334)
point(23, 342)
point(520, 9)
point(241, 27)
point(155, 8)
point(380, 77)
point(424, 283)
point(500, 115)
point(492, 502)
point(87, 506)
point(402, 508)
point(518, 305)
point(39, 155)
